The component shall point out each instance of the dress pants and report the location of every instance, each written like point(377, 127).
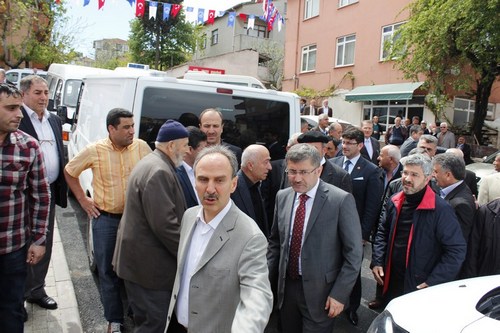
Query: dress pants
point(294, 314)
point(35, 282)
point(150, 307)
point(13, 270)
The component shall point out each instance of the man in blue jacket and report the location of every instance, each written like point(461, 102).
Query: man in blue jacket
point(420, 243)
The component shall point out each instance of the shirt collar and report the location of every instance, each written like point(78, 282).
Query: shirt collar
point(187, 167)
point(450, 188)
point(32, 113)
point(218, 218)
point(353, 160)
point(311, 193)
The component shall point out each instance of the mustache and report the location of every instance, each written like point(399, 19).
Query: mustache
point(407, 183)
point(210, 197)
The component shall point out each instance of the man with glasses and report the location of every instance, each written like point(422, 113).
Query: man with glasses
point(47, 129)
point(367, 188)
point(419, 243)
point(313, 257)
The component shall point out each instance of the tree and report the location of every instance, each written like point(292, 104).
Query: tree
point(162, 44)
point(275, 55)
point(454, 45)
point(33, 31)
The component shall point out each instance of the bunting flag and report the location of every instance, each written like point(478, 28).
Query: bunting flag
point(270, 23)
point(58, 2)
point(280, 22)
point(166, 11)
point(85, 2)
point(100, 4)
point(242, 16)
point(201, 14)
point(230, 19)
point(131, 2)
point(264, 8)
point(139, 8)
point(189, 9)
point(175, 10)
point(211, 16)
point(251, 22)
point(153, 7)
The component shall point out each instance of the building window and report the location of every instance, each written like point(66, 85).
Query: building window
point(463, 111)
point(345, 50)
point(390, 34)
point(258, 31)
point(388, 110)
point(343, 3)
point(308, 58)
point(311, 9)
point(215, 37)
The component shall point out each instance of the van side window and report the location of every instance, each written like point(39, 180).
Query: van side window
point(246, 119)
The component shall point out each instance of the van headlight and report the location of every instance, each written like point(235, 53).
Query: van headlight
point(384, 323)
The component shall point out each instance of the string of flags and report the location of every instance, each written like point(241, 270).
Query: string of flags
point(270, 13)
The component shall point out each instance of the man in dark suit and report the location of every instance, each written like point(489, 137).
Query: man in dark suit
point(47, 129)
point(325, 109)
point(322, 124)
point(465, 148)
point(185, 173)
point(378, 129)
point(470, 176)
point(449, 172)
point(255, 165)
point(311, 109)
point(367, 188)
point(371, 146)
point(313, 257)
point(211, 124)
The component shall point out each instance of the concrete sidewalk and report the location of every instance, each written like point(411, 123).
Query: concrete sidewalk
point(66, 318)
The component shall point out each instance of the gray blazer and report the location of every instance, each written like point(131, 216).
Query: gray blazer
point(229, 290)
point(332, 249)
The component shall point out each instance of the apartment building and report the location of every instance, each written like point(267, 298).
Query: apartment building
point(340, 43)
point(112, 48)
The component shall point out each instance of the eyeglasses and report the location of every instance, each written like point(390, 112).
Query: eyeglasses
point(346, 143)
point(299, 172)
point(412, 174)
point(51, 142)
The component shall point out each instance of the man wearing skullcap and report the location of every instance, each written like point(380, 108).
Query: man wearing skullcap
point(148, 237)
point(111, 161)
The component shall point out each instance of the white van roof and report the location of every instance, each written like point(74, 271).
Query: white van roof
point(240, 80)
point(75, 71)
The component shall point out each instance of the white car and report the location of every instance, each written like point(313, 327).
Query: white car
point(463, 306)
point(313, 121)
point(484, 168)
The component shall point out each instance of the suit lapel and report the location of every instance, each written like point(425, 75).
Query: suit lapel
point(26, 125)
point(357, 171)
point(319, 202)
point(287, 213)
point(244, 192)
point(187, 183)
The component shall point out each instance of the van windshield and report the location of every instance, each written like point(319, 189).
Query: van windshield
point(71, 92)
point(247, 120)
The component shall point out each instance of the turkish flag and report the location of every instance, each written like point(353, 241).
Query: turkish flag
point(211, 16)
point(58, 2)
point(139, 8)
point(175, 10)
point(101, 4)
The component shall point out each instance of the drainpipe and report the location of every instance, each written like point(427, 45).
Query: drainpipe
point(297, 48)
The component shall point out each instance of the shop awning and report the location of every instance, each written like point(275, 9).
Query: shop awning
point(397, 91)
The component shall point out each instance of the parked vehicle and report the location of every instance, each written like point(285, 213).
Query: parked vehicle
point(16, 75)
point(484, 168)
point(466, 306)
point(154, 98)
point(313, 121)
point(65, 83)
point(239, 80)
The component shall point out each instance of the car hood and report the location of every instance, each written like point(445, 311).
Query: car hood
point(481, 169)
point(449, 307)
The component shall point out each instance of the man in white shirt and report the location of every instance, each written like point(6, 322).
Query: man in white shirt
point(222, 283)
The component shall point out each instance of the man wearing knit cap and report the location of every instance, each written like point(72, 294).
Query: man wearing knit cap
point(111, 161)
point(148, 236)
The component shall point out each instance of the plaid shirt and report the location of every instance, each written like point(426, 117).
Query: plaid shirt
point(24, 193)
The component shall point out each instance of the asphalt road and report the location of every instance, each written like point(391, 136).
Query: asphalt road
point(72, 222)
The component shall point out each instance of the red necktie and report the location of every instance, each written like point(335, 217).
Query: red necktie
point(296, 243)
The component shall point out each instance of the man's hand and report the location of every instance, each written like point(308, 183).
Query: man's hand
point(378, 274)
point(422, 286)
point(35, 254)
point(333, 307)
point(89, 206)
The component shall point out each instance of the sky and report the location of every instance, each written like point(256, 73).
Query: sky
point(112, 20)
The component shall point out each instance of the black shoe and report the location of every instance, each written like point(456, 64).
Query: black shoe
point(46, 302)
point(375, 304)
point(25, 314)
point(352, 316)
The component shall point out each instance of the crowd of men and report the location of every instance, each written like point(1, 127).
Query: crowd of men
point(205, 237)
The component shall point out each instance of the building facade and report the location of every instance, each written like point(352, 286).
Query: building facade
point(113, 48)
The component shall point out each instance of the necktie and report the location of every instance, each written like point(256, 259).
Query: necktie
point(369, 148)
point(296, 243)
point(346, 167)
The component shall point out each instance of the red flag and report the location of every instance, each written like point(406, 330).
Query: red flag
point(139, 8)
point(175, 10)
point(101, 4)
point(242, 16)
point(211, 16)
point(270, 23)
point(58, 2)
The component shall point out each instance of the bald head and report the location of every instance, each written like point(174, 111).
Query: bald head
point(256, 163)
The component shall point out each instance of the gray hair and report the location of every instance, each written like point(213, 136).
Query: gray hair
point(222, 150)
point(417, 151)
point(451, 162)
point(415, 129)
point(293, 139)
point(429, 139)
point(303, 152)
point(394, 152)
point(28, 81)
point(323, 116)
point(420, 160)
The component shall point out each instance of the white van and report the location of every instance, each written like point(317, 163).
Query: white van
point(239, 80)
point(16, 75)
point(248, 112)
point(65, 83)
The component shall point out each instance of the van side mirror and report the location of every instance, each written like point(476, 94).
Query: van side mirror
point(62, 112)
point(50, 107)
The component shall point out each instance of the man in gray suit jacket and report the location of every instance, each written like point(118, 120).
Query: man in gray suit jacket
point(148, 235)
point(315, 250)
point(222, 282)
